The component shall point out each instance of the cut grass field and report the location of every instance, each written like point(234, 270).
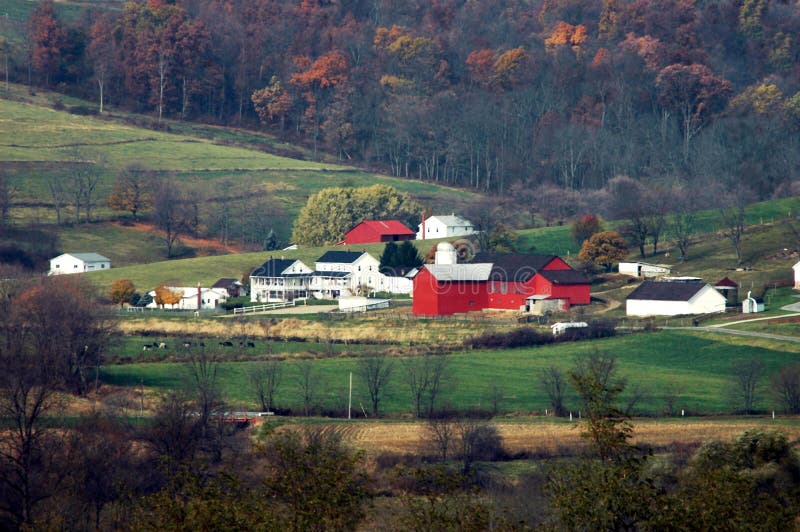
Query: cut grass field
point(38, 142)
point(695, 367)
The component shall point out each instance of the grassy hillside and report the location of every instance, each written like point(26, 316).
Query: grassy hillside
point(38, 143)
point(696, 367)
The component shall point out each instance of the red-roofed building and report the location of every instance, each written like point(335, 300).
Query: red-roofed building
point(371, 231)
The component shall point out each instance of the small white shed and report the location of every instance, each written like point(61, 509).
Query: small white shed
point(751, 304)
point(560, 327)
point(78, 263)
point(444, 226)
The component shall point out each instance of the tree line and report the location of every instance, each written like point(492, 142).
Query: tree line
point(484, 96)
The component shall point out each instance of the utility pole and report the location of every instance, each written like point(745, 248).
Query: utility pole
point(350, 398)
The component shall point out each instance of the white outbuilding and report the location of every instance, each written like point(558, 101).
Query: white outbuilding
point(674, 298)
point(78, 263)
point(796, 269)
point(643, 269)
point(444, 226)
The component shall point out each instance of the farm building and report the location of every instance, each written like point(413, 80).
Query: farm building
point(730, 290)
point(500, 281)
point(78, 263)
point(279, 280)
point(796, 269)
point(371, 231)
point(444, 226)
point(232, 287)
point(643, 269)
point(674, 298)
point(194, 298)
point(751, 304)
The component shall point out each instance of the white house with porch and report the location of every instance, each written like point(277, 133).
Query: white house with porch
point(280, 280)
point(796, 269)
point(78, 263)
point(444, 226)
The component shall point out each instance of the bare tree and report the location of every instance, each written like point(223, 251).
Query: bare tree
point(425, 376)
point(786, 387)
point(265, 378)
point(376, 372)
point(554, 384)
point(682, 222)
point(732, 218)
point(202, 368)
point(746, 381)
point(169, 214)
point(7, 195)
point(441, 434)
point(58, 193)
point(308, 379)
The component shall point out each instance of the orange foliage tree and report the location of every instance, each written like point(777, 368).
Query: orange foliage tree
point(167, 296)
point(121, 291)
point(604, 249)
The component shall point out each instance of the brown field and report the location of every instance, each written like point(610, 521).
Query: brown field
point(381, 327)
point(537, 437)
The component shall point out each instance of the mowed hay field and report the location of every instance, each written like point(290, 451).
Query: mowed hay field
point(38, 143)
point(546, 436)
point(696, 368)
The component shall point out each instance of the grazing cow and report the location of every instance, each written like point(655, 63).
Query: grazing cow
point(202, 344)
point(187, 344)
point(226, 344)
point(250, 344)
point(146, 347)
point(162, 345)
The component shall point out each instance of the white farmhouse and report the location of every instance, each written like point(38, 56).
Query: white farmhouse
point(653, 298)
point(78, 263)
point(280, 280)
point(344, 273)
point(194, 296)
point(444, 226)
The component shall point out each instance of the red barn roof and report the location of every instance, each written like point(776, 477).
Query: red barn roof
point(370, 231)
point(726, 282)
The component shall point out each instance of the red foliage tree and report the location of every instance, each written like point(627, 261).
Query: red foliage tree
point(48, 39)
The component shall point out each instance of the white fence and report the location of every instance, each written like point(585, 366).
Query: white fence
point(265, 307)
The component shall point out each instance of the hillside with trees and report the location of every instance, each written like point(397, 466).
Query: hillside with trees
point(497, 96)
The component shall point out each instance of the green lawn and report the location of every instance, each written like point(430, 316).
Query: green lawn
point(697, 366)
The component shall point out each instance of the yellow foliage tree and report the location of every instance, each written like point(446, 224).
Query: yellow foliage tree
point(167, 296)
point(121, 291)
point(603, 249)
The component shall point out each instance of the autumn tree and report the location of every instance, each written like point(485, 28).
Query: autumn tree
point(696, 93)
point(102, 52)
point(604, 249)
point(272, 103)
point(133, 190)
point(48, 39)
point(167, 296)
point(584, 227)
point(121, 291)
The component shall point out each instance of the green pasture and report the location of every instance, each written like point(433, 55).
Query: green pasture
point(697, 367)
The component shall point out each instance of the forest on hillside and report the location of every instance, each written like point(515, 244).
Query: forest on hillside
point(502, 96)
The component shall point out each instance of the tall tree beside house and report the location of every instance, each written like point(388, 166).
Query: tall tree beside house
point(121, 291)
point(400, 259)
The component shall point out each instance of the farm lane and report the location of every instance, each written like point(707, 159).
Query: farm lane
point(737, 332)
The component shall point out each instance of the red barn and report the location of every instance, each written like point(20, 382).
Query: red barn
point(498, 281)
point(370, 231)
point(513, 277)
point(450, 288)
